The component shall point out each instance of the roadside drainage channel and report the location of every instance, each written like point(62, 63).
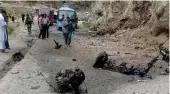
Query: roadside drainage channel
point(16, 57)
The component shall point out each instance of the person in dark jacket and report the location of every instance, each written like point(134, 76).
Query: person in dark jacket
point(67, 30)
point(29, 22)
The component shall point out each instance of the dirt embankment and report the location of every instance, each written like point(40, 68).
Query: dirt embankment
point(116, 15)
point(142, 24)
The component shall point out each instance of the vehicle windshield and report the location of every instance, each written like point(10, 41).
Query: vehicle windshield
point(44, 11)
point(67, 13)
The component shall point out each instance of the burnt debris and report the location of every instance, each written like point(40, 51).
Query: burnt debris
point(167, 70)
point(74, 59)
point(165, 54)
point(17, 56)
point(57, 46)
point(69, 79)
point(101, 60)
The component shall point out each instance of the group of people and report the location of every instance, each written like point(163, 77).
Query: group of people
point(4, 44)
point(3, 31)
point(44, 24)
point(67, 28)
point(12, 16)
point(23, 16)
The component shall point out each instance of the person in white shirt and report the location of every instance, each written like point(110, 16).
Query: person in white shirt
point(44, 25)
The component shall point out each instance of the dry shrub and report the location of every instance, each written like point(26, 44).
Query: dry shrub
point(10, 29)
point(12, 26)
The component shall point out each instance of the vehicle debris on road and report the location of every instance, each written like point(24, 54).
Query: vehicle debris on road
point(17, 56)
point(103, 62)
point(57, 46)
point(69, 79)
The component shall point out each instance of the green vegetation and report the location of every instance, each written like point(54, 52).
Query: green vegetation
point(85, 25)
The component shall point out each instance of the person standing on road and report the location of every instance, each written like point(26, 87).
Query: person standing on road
point(44, 24)
point(23, 17)
point(67, 30)
point(48, 28)
point(6, 20)
point(40, 26)
point(28, 22)
point(3, 35)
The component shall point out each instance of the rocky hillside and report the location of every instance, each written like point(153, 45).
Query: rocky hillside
point(108, 17)
point(143, 24)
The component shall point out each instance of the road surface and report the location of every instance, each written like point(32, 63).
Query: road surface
point(25, 78)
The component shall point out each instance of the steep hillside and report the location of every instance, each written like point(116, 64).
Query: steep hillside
point(116, 15)
point(142, 24)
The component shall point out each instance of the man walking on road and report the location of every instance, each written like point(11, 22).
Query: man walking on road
point(3, 35)
point(28, 22)
point(67, 30)
point(23, 17)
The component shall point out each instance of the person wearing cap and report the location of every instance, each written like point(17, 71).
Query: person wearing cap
point(3, 34)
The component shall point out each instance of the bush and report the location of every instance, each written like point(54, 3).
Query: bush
point(85, 25)
point(10, 29)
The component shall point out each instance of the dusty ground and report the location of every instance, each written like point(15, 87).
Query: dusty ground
point(84, 48)
point(24, 77)
point(18, 40)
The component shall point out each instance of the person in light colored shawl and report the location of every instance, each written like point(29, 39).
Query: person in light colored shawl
point(4, 14)
point(3, 35)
